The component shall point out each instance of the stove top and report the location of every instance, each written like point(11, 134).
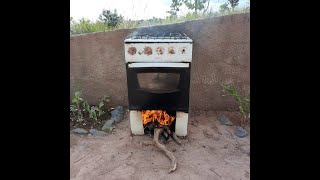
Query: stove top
point(159, 37)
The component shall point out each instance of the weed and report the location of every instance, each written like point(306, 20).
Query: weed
point(243, 101)
point(95, 112)
point(79, 105)
point(75, 107)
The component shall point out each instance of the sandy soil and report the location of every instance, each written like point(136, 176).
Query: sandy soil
point(210, 151)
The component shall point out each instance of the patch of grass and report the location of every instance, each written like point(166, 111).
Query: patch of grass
point(86, 26)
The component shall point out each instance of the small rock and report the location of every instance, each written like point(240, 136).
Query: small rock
point(204, 146)
point(240, 132)
point(155, 170)
point(225, 121)
point(79, 131)
point(173, 150)
point(94, 132)
point(117, 114)
point(108, 126)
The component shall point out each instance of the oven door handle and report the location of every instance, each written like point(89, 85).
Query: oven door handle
point(144, 65)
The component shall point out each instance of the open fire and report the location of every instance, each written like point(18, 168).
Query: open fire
point(160, 116)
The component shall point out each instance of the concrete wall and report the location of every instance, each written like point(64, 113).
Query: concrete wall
point(221, 53)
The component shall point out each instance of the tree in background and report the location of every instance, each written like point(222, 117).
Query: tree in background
point(233, 3)
point(111, 19)
point(224, 7)
point(197, 5)
point(175, 5)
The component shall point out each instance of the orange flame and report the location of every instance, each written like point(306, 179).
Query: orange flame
point(157, 115)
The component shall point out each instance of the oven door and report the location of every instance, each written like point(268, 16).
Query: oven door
point(158, 86)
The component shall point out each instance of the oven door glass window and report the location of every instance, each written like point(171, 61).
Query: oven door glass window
point(159, 82)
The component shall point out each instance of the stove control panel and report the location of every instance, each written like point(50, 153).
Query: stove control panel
point(158, 52)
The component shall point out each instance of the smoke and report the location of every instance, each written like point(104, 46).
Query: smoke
point(161, 29)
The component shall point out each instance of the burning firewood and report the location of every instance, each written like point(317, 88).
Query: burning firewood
point(174, 136)
point(157, 132)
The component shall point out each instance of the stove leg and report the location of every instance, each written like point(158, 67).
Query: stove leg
point(136, 123)
point(181, 123)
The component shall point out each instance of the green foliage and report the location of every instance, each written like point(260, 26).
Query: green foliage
point(196, 5)
point(75, 107)
point(175, 5)
point(86, 106)
point(111, 19)
point(224, 7)
point(174, 19)
point(94, 112)
point(243, 101)
point(86, 26)
point(233, 3)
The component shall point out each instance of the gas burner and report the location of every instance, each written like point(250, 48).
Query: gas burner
point(159, 37)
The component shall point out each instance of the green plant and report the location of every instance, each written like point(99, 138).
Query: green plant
point(75, 107)
point(95, 112)
point(243, 101)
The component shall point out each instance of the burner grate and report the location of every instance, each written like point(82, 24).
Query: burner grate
point(161, 36)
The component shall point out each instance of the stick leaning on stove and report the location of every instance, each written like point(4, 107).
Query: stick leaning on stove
point(158, 130)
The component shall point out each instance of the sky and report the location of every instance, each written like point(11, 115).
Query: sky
point(131, 9)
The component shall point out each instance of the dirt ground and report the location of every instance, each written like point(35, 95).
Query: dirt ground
point(210, 151)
